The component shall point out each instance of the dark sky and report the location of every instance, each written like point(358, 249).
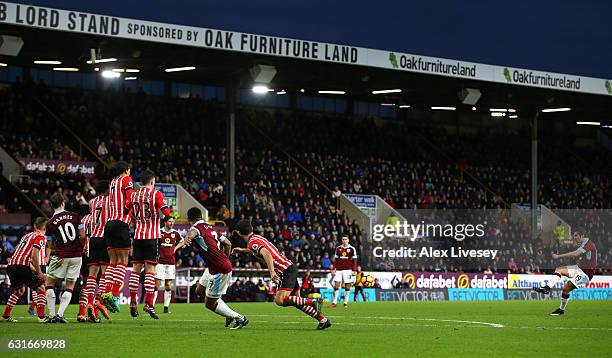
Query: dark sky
point(567, 36)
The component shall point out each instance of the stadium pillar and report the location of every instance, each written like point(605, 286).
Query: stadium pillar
point(534, 175)
point(231, 93)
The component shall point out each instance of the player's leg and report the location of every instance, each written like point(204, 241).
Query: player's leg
point(311, 307)
point(99, 304)
point(72, 267)
point(337, 284)
point(215, 288)
point(83, 300)
point(134, 284)
point(168, 286)
point(92, 275)
point(149, 285)
point(16, 294)
point(117, 235)
point(32, 308)
point(557, 276)
point(362, 293)
point(347, 293)
point(577, 278)
point(81, 317)
point(41, 303)
point(565, 296)
point(50, 292)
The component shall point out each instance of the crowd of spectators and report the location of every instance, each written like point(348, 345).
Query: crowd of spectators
point(182, 140)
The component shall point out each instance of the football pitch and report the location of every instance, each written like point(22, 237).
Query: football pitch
point(398, 329)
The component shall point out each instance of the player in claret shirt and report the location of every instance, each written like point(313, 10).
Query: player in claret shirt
point(215, 249)
point(578, 274)
point(67, 239)
point(282, 272)
point(24, 270)
point(169, 242)
point(345, 264)
point(147, 204)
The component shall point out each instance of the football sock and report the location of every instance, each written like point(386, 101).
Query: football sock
point(336, 291)
point(155, 297)
point(83, 300)
point(101, 286)
point(50, 294)
point(119, 276)
point(134, 283)
point(564, 300)
point(12, 301)
point(167, 297)
point(312, 312)
point(346, 295)
point(91, 289)
point(297, 301)
point(64, 302)
point(109, 278)
point(40, 304)
point(222, 309)
point(34, 299)
point(149, 284)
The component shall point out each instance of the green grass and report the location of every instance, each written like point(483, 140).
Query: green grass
point(378, 329)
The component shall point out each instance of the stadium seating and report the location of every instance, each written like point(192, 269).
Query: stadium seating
point(182, 140)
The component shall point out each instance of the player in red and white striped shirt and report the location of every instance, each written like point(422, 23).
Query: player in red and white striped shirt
point(282, 272)
point(117, 233)
point(147, 204)
point(24, 269)
point(98, 259)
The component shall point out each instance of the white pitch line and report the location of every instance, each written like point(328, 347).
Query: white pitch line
point(475, 324)
point(490, 324)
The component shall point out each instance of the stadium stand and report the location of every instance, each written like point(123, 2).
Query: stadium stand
point(408, 166)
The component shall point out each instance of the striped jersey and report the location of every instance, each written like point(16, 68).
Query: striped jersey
point(146, 207)
point(119, 198)
point(98, 208)
point(23, 252)
point(87, 222)
point(256, 243)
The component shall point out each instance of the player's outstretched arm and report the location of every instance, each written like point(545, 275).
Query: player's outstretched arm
point(270, 263)
point(240, 250)
point(181, 244)
point(574, 253)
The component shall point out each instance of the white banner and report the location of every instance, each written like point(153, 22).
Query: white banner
point(520, 281)
point(80, 22)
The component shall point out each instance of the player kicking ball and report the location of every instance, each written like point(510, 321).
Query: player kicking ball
point(578, 274)
point(282, 272)
point(213, 284)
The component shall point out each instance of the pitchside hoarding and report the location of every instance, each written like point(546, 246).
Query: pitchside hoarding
point(62, 167)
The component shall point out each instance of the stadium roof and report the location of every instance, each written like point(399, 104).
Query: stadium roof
point(222, 55)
